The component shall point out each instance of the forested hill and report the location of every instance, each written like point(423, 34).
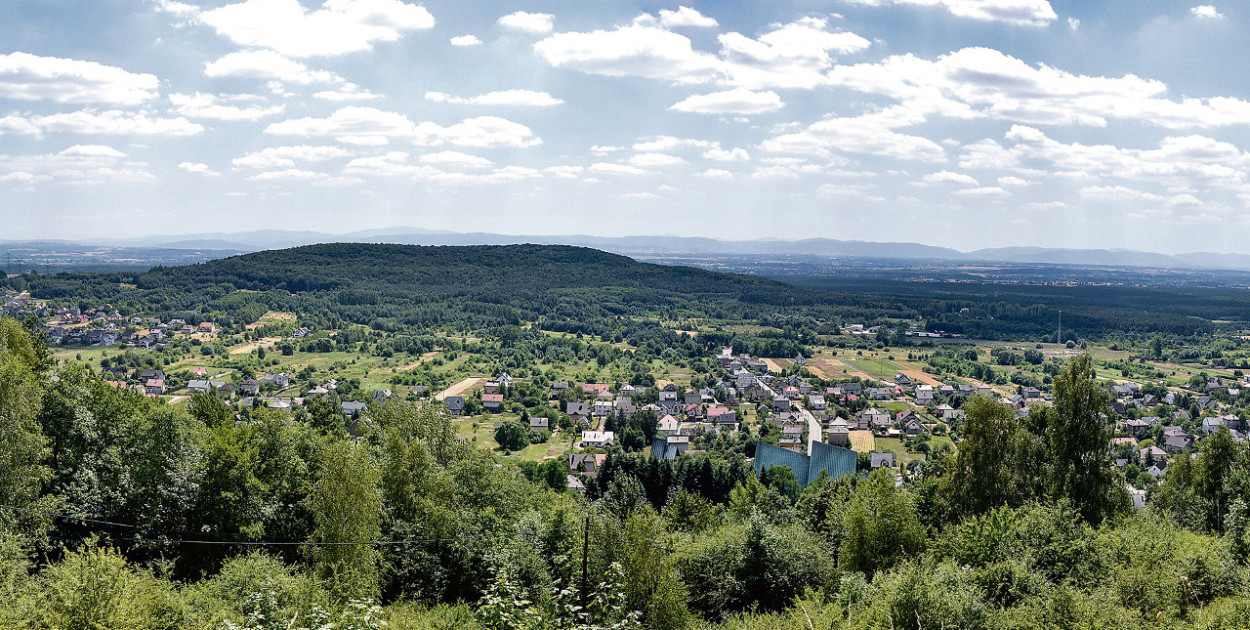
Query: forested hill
point(447, 270)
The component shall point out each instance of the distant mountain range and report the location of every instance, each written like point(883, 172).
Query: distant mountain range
point(217, 244)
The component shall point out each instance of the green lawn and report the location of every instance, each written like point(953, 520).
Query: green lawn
point(879, 368)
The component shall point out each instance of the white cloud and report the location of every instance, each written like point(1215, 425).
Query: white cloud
point(988, 191)
point(792, 55)
point(982, 82)
point(483, 131)
point(600, 149)
point(731, 155)
point(651, 160)
point(1074, 23)
point(668, 143)
point(950, 177)
point(466, 40)
point(27, 77)
point(18, 126)
point(872, 134)
point(717, 173)
point(109, 122)
point(338, 27)
point(527, 98)
point(528, 22)
point(685, 16)
point(735, 101)
point(634, 50)
point(604, 168)
point(456, 158)
point(224, 106)
point(1206, 12)
point(565, 172)
point(79, 164)
point(639, 195)
point(1016, 12)
point(197, 168)
point(266, 64)
point(286, 157)
point(346, 92)
point(1009, 180)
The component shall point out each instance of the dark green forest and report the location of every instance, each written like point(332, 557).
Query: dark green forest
point(570, 289)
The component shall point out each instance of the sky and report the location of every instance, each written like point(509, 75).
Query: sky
point(960, 123)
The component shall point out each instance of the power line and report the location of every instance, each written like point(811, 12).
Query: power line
point(239, 543)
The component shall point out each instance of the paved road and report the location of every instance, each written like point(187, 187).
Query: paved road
point(813, 428)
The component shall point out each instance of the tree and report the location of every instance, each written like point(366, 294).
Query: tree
point(1077, 432)
point(986, 468)
point(23, 447)
point(512, 435)
point(346, 504)
point(881, 526)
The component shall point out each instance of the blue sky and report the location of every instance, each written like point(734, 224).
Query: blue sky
point(964, 123)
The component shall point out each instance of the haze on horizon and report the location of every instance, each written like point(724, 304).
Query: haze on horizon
point(959, 123)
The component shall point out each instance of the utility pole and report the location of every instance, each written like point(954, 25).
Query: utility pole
point(1059, 335)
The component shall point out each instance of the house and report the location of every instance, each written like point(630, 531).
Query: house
point(1177, 442)
point(984, 390)
point(148, 375)
point(667, 426)
point(1137, 428)
point(780, 404)
point(947, 412)
point(598, 439)
point(250, 386)
point(154, 387)
point(839, 432)
point(352, 408)
point(676, 445)
point(1211, 424)
point(540, 423)
point(586, 463)
point(882, 459)
point(558, 387)
point(924, 395)
point(1118, 441)
point(669, 393)
point(912, 426)
point(594, 389)
point(198, 386)
point(902, 379)
point(490, 387)
point(455, 404)
point(817, 402)
point(492, 402)
point(873, 418)
point(207, 328)
point(280, 381)
point(601, 409)
point(691, 397)
point(852, 388)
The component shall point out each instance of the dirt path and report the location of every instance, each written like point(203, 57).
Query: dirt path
point(923, 377)
point(425, 357)
point(177, 399)
point(459, 389)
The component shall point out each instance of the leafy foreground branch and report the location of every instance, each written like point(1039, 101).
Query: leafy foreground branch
point(110, 503)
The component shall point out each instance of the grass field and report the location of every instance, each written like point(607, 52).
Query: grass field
point(878, 368)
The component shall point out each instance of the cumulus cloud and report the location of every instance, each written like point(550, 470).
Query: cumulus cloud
point(717, 173)
point(1015, 12)
point(109, 122)
point(79, 164)
point(198, 169)
point(369, 126)
point(652, 160)
point(685, 16)
point(224, 106)
point(792, 55)
point(456, 158)
point(465, 40)
point(338, 27)
point(982, 82)
point(604, 168)
point(722, 155)
point(526, 98)
point(1206, 12)
point(735, 101)
point(950, 177)
point(658, 144)
point(528, 22)
point(870, 134)
point(27, 77)
point(287, 156)
point(266, 64)
point(346, 92)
